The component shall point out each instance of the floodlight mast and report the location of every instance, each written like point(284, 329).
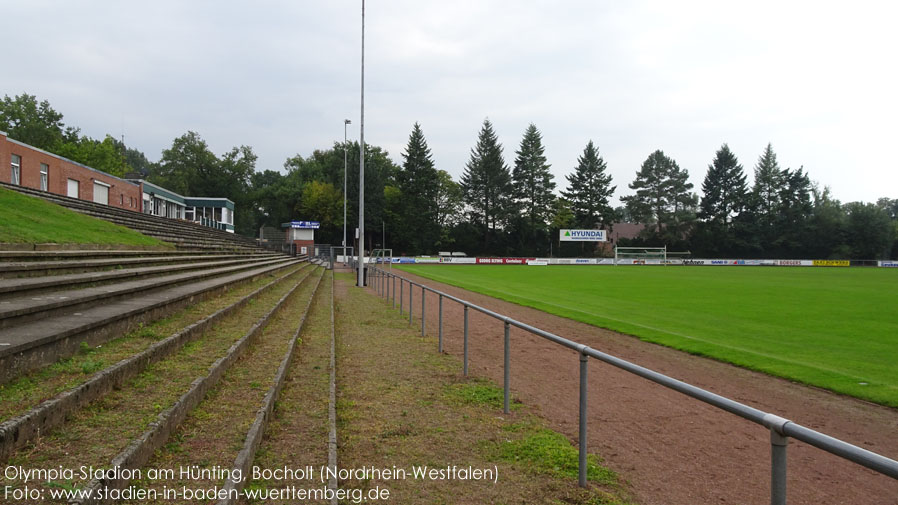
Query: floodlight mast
point(346, 123)
point(361, 279)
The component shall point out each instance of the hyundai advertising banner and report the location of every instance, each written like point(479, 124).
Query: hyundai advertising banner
point(582, 236)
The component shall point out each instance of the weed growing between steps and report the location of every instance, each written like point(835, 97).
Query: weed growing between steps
point(403, 405)
point(214, 433)
point(297, 434)
point(29, 390)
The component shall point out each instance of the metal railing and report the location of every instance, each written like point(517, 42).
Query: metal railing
point(384, 283)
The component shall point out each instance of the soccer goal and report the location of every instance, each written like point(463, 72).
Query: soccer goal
point(384, 258)
point(640, 255)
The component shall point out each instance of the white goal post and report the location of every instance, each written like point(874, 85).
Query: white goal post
point(383, 257)
point(640, 254)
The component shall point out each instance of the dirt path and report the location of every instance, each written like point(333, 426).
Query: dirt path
point(401, 404)
point(673, 449)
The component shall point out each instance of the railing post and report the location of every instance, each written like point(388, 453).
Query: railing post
point(584, 359)
point(778, 445)
point(440, 325)
point(411, 301)
point(506, 371)
point(394, 291)
point(423, 297)
point(401, 294)
point(465, 353)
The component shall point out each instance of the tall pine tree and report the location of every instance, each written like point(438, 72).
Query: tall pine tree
point(724, 189)
point(590, 190)
point(418, 183)
point(486, 183)
point(533, 183)
point(663, 197)
point(793, 214)
point(766, 190)
point(764, 200)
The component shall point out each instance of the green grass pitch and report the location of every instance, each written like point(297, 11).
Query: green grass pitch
point(835, 328)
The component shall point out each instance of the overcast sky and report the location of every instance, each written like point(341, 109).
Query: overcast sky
point(816, 79)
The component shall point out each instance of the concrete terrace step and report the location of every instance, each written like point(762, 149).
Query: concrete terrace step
point(137, 222)
point(61, 255)
point(33, 344)
point(21, 309)
point(9, 269)
point(30, 285)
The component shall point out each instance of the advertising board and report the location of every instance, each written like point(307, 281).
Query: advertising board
point(503, 261)
point(831, 263)
point(458, 261)
point(303, 225)
point(794, 263)
point(888, 264)
point(581, 261)
point(582, 235)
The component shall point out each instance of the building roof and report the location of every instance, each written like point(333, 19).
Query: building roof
point(61, 158)
point(626, 230)
point(159, 191)
point(205, 201)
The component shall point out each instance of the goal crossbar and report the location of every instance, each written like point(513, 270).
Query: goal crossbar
point(640, 253)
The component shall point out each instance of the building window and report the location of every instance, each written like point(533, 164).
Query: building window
point(16, 166)
point(73, 189)
point(45, 177)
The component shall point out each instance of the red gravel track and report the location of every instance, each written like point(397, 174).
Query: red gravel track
point(673, 449)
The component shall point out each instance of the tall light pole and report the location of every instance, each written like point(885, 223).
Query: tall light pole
point(346, 122)
point(361, 280)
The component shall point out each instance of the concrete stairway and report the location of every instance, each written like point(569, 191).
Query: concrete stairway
point(51, 303)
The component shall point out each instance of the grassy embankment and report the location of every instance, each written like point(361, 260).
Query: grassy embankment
point(28, 220)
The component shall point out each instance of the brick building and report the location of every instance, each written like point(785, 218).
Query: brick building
point(28, 166)
point(24, 165)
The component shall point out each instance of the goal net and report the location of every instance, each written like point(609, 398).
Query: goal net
point(640, 255)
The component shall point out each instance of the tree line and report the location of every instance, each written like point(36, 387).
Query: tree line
point(494, 208)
